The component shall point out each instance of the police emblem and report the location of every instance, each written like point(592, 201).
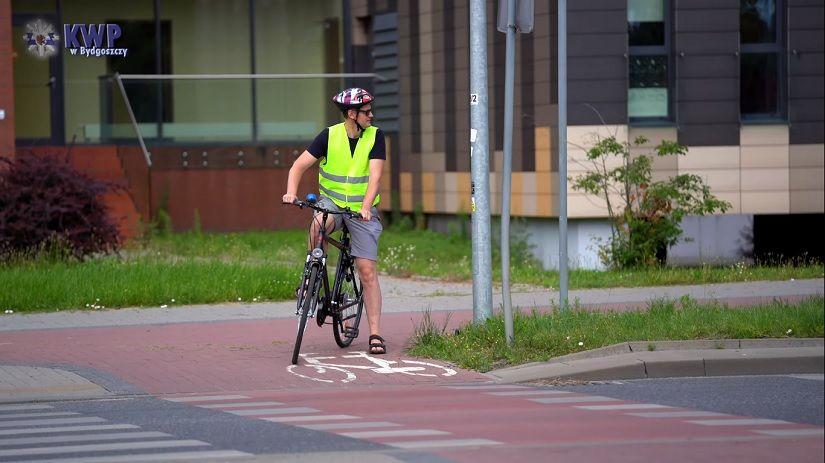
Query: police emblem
point(41, 39)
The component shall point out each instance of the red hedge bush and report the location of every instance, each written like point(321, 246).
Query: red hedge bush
point(45, 201)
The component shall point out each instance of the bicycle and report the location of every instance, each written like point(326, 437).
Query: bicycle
point(345, 302)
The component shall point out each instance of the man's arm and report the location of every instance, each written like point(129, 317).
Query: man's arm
point(304, 162)
point(376, 168)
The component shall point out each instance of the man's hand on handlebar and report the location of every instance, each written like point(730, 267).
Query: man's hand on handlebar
point(366, 214)
point(289, 198)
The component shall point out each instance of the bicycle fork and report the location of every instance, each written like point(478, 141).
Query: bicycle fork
point(314, 257)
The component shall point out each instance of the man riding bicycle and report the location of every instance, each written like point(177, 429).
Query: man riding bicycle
point(353, 154)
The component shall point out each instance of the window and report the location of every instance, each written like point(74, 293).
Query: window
point(95, 112)
point(152, 99)
point(760, 80)
point(648, 97)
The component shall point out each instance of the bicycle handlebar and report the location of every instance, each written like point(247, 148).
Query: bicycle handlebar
point(302, 204)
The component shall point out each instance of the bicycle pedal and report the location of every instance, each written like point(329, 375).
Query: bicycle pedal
point(351, 332)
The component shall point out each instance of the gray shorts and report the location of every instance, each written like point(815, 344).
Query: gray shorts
point(363, 235)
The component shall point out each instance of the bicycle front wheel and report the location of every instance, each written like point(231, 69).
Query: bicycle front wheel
point(350, 304)
point(307, 306)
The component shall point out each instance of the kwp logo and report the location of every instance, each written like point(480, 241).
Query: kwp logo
point(41, 39)
point(93, 39)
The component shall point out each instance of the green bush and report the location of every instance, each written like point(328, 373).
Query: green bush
point(50, 210)
point(645, 214)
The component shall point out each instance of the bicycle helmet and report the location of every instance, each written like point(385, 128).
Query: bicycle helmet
point(352, 98)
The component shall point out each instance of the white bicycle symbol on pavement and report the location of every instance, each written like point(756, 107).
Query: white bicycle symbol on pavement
point(317, 366)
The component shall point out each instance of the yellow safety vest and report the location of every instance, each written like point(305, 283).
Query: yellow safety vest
point(343, 177)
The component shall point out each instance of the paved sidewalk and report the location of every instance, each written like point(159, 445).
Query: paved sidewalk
point(416, 296)
point(25, 383)
point(113, 352)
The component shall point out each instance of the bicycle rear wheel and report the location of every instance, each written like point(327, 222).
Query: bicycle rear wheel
point(346, 316)
point(310, 299)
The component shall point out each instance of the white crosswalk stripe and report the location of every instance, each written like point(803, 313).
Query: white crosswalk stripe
point(812, 377)
point(677, 414)
point(738, 422)
point(527, 393)
point(81, 438)
point(272, 411)
point(37, 435)
point(621, 407)
point(394, 433)
point(481, 387)
point(57, 429)
point(356, 425)
point(36, 415)
point(791, 432)
point(242, 404)
point(571, 400)
point(50, 421)
point(5, 408)
point(101, 447)
point(294, 419)
point(211, 455)
point(205, 398)
point(442, 443)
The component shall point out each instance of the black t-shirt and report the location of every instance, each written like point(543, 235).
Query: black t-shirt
point(318, 148)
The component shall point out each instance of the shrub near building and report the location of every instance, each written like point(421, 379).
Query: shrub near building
point(50, 209)
point(644, 214)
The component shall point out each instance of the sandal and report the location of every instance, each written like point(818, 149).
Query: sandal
point(382, 348)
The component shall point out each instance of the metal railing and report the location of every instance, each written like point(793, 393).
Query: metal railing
point(120, 78)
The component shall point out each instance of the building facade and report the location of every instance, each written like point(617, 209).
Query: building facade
point(737, 81)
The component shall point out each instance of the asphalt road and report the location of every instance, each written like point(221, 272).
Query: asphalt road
point(686, 419)
point(795, 398)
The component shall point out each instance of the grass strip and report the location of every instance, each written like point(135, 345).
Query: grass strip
point(542, 336)
point(200, 268)
point(112, 283)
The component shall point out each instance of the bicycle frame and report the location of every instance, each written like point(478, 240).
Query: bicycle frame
point(318, 257)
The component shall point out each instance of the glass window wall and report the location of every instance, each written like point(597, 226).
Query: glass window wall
point(648, 95)
point(761, 84)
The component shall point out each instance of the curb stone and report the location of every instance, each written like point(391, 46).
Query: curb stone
point(49, 382)
point(662, 359)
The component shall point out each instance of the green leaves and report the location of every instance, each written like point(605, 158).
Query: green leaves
point(647, 219)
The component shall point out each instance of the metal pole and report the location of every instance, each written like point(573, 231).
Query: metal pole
point(562, 154)
point(135, 126)
point(249, 76)
point(158, 70)
point(254, 68)
point(509, 71)
point(480, 161)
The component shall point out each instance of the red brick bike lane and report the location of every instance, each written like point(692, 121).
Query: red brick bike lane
point(220, 356)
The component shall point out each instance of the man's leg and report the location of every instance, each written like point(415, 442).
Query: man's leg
point(368, 273)
point(315, 229)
